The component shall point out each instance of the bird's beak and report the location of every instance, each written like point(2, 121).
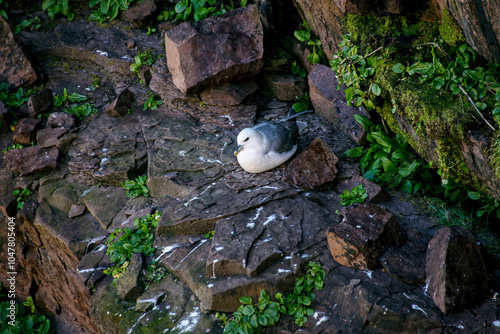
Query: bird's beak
point(238, 150)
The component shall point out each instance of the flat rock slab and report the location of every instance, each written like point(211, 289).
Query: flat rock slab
point(313, 168)
point(25, 131)
point(363, 235)
point(15, 68)
point(104, 203)
point(455, 270)
point(229, 94)
point(108, 151)
point(330, 103)
point(216, 50)
point(32, 159)
point(286, 87)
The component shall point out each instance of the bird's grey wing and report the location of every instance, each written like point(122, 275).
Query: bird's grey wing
point(280, 137)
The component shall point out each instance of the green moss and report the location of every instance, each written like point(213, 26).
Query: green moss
point(449, 30)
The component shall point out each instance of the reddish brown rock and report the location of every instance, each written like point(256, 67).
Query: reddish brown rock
point(456, 275)
point(229, 94)
point(31, 159)
point(363, 235)
point(315, 167)
point(76, 210)
point(25, 131)
point(216, 50)
point(40, 102)
point(49, 137)
point(120, 106)
point(61, 119)
point(141, 11)
point(330, 102)
point(15, 68)
point(286, 87)
point(375, 193)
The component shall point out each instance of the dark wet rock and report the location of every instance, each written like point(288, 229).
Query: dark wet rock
point(40, 102)
point(32, 159)
point(455, 271)
point(363, 235)
point(49, 137)
point(63, 198)
point(15, 68)
point(5, 117)
point(76, 210)
point(194, 62)
point(313, 168)
point(25, 131)
point(64, 142)
point(229, 94)
point(140, 11)
point(121, 105)
point(130, 212)
point(131, 284)
point(61, 119)
point(92, 265)
point(230, 116)
point(104, 203)
point(331, 104)
point(286, 87)
point(407, 263)
point(148, 300)
point(108, 151)
point(376, 194)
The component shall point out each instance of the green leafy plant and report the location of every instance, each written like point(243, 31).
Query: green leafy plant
point(298, 303)
point(2, 10)
point(155, 273)
point(198, 10)
point(387, 161)
point(458, 217)
point(303, 103)
point(306, 36)
point(59, 100)
point(15, 99)
point(21, 197)
point(81, 111)
point(25, 319)
point(96, 81)
point(455, 75)
point(32, 23)
point(137, 187)
point(298, 70)
point(209, 234)
point(108, 9)
point(153, 102)
point(151, 30)
point(356, 195)
point(357, 72)
point(250, 318)
point(54, 7)
point(142, 58)
point(123, 243)
point(13, 146)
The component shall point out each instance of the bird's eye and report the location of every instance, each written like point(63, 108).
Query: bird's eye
point(246, 139)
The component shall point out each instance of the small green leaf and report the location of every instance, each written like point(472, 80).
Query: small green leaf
point(245, 300)
point(398, 68)
point(376, 89)
point(302, 35)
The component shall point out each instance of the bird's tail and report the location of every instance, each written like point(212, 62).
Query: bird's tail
point(291, 116)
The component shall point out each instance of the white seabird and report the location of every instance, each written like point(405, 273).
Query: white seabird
point(267, 144)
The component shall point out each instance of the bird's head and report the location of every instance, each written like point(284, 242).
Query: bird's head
point(248, 138)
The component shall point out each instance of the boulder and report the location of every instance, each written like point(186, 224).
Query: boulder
point(131, 284)
point(148, 300)
point(49, 137)
point(313, 168)
point(140, 11)
point(15, 68)
point(104, 203)
point(40, 102)
point(229, 94)
point(456, 275)
point(61, 119)
point(376, 194)
point(196, 64)
point(25, 131)
point(5, 117)
point(330, 102)
point(121, 105)
point(363, 235)
point(286, 87)
point(76, 210)
point(31, 159)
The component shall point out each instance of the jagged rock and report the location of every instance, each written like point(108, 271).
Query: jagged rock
point(31, 159)
point(104, 203)
point(286, 87)
point(456, 275)
point(126, 217)
point(76, 210)
point(148, 300)
point(40, 102)
point(8, 201)
point(194, 62)
point(331, 104)
point(313, 168)
point(49, 137)
point(242, 115)
point(5, 117)
point(140, 11)
point(64, 142)
point(407, 263)
point(121, 105)
point(63, 198)
point(92, 265)
point(108, 151)
point(61, 119)
point(25, 131)
point(375, 192)
point(15, 67)
point(229, 94)
point(131, 284)
point(363, 235)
